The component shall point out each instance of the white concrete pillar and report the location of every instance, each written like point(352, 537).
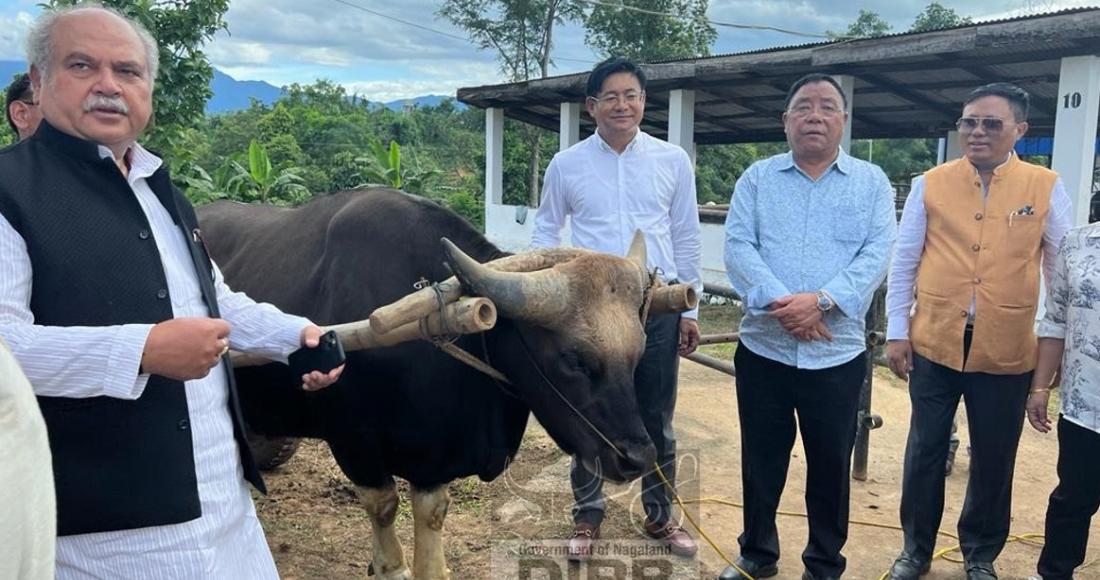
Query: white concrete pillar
point(681, 120)
point(569, 125)
point(953, 149)
point(1078, 103)
point(941, 150)
point(847, 85)
point(494, 156)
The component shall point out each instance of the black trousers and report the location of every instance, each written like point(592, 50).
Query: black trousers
point(655, 387)
point(995, 411)
point(1073, 502)
point(826, 401)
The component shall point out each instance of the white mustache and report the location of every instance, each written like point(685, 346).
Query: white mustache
point(100, 102)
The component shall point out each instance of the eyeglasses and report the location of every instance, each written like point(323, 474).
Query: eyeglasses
point(629, 98)
point(988, 124)
point(806, 109)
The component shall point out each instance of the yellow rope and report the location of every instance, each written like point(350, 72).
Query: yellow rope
point(1026, 538)
point(694, 524)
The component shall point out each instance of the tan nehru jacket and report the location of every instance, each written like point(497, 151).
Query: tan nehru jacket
point(28, 520)
point(986, 250)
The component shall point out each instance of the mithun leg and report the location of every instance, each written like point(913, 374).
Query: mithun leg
point(389, 558)
point(429, 511)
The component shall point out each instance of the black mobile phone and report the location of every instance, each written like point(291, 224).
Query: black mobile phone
point(327, 355)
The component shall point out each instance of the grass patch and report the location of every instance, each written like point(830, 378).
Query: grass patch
point(719, 319)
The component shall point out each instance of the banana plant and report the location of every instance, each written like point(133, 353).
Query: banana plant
point(384, 168)
point(259, 181)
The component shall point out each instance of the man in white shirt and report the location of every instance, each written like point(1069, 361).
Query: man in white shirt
point(27, 514)
point(615, 182)
point(121, 322)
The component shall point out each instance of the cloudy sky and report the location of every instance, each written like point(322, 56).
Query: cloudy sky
point(391, 49)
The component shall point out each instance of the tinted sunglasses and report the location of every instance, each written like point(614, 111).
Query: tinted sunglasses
point(989, 124)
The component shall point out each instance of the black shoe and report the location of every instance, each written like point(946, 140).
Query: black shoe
point(756, 570)
point(807, 575)
point(907, 567)
point(980, 571)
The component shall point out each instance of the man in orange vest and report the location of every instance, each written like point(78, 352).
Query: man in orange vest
point(961, 306)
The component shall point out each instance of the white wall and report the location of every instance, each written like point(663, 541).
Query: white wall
point(502, 229)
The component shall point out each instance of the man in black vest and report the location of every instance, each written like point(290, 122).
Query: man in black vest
point(121, 322)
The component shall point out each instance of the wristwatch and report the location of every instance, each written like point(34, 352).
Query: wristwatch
point(824, 301)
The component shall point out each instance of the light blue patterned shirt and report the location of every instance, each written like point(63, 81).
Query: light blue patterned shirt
point(786, 234)
point(1073, 314)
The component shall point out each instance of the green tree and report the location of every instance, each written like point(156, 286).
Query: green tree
point(718, 167)
point(866, 25)
point(521, 32)
point(651, 30)
point(181, 28)
point(900, 159)
point(936, 16)
point(324, 137)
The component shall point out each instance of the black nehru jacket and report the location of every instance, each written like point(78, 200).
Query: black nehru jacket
point(117, 464)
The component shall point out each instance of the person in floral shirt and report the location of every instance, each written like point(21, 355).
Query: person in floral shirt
point(1069, 342)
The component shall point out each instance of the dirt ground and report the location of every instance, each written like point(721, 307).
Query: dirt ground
point(317, 529)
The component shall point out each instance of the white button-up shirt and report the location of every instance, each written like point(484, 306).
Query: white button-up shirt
point(227, 541)
point(606, 195)
point(1073, 315)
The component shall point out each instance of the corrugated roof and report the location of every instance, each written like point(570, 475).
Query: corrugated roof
point(907, 84)
point(891, 35)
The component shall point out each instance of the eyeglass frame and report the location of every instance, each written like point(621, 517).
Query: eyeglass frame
point(986, 123)
point(806, 109)
point(628, 98)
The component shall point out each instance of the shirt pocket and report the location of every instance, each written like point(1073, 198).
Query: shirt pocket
point(849, 226)
point(849, 222)
point(1024, 234)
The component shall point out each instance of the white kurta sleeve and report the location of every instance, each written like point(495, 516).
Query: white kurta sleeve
point(64, 361)
point(258, 327)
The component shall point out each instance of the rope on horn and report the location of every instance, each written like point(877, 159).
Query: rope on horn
point(446, 341)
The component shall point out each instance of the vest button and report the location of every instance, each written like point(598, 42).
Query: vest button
point(183, 425)
point(963, 313)
point(975, 247)
point(978, 216)
point(144, 234)
point(162, 294)
point(977, 280)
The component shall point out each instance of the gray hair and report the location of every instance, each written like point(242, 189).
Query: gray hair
point(40, 38)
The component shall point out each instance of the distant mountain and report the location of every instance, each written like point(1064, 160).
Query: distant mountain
point(422, 101)
point(233, 95)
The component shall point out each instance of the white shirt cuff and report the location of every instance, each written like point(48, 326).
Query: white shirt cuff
point(897, 328)
point(121, 379)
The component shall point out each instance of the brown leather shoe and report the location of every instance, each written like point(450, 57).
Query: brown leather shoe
point(580, 543)
point(677, 539)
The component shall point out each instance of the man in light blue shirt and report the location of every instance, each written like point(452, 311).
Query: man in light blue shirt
point(808, 237)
